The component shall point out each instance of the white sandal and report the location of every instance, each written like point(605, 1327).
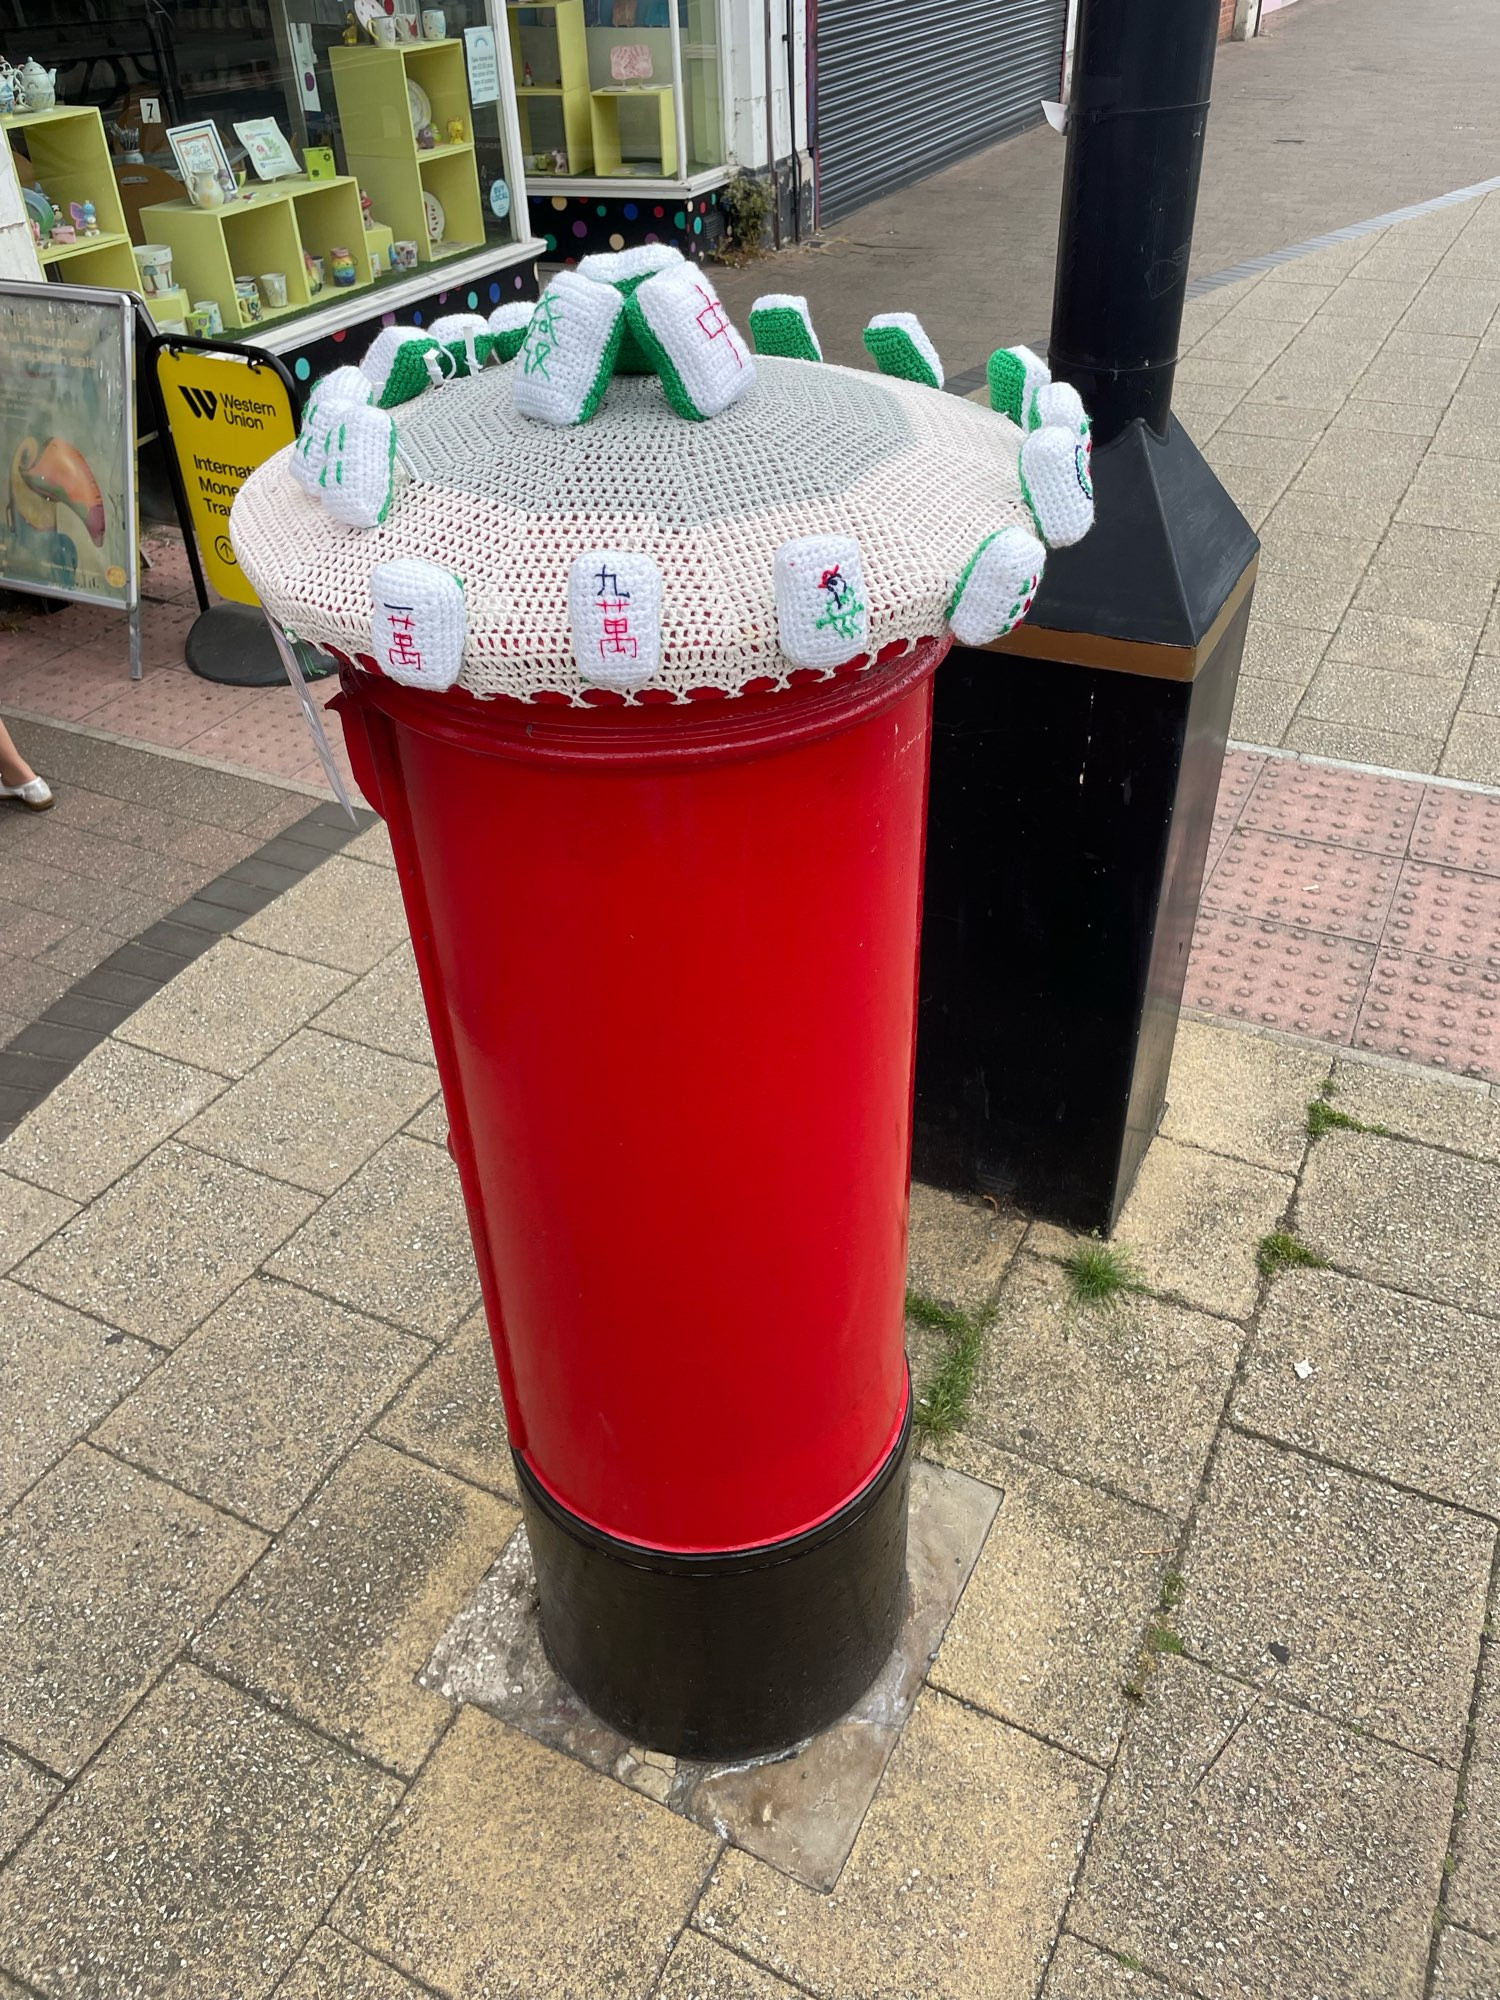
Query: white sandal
point(35, 795)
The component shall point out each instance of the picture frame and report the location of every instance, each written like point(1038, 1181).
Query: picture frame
point(268, 148)
point(198, 149)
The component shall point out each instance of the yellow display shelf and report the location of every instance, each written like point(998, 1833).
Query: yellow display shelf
point(604, 110)
point(70, 161)
point(380, 141)
point(274, 227)
point(570, 54)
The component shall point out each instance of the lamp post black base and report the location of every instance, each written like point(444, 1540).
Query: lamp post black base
point(724, 1656)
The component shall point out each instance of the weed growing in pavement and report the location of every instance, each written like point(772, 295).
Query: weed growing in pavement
point(1324, 1116)
point(944, 1403)
point(1098, 1273)
point(1162, 1639)
point(1171, 1590)
point(1130, 1964)
point(1281, 1251)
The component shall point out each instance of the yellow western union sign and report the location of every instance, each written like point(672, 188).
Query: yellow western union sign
point(226, 414)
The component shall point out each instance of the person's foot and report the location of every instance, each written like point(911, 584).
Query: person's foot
point(35, 794)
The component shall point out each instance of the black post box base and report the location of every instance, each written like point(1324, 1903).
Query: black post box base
point(724, 1656)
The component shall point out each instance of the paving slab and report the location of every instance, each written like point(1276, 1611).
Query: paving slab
point(1363, 1603)
point(25, 1794)
point(107, 1574)
point(1243, 1095)
point(1472, 751)
point(1126, 1396)
point(28, 1216)
point(960, 1248)
point(1399, 1386)
point(452, 1415)
point(1055, 1614)
point(229, 1009)
point(1082, 1971)
point(59, 1374)
point(394, 1241)
point(431, 1123)
point(1408, 1216)
point(338, 1619)
point(1464, 1967)
point(699, 1969)
point(956, 1882)
point(230, 1827)
point(167, 1243)
point(1247, 1848)
point(1454, 1112)
point(384, 1009)
point(1474, 1891)
point(1193, 1221)
point(331, 1968)
point(314, 1110)
point(253, 1410)
point(346, 914)
point(511, 1867)
point(114, 1108)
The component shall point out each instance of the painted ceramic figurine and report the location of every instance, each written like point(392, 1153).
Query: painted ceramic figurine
point(351, 31)
point(85, 217)
point(455, 131)
point(367, 209)
point(341, 267)
point(427, 138)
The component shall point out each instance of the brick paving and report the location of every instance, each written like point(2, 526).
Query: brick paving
point(1214, 1716)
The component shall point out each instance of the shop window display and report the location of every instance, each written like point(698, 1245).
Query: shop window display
point(265, 159)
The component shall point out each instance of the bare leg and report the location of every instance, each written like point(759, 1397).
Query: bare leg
point(14, 769)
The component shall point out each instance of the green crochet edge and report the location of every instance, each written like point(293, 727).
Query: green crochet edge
point(781, 330)
point(508, 344)
point(673, 386)
point(609, 361)
point(633, 359)
point(1036, 519)
point(390, 481)
point(409, 377)
point(1018, 608)
point(1007, 379)
point(894, 352)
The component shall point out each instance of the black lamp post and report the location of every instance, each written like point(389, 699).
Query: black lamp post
point(1076, 764)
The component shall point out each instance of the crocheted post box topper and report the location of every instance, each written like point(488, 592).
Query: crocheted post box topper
point(609, 496)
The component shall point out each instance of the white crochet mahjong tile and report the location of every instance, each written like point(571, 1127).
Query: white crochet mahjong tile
point(569, 349)
point(346, 457)
point(614, 605)
point(699, 344)
point(998, 588)
point(420, 623)
point(822, 607)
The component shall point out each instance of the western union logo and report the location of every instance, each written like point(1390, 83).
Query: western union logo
point(202, 402)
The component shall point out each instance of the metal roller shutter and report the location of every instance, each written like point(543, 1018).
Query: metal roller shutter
point(908, 86)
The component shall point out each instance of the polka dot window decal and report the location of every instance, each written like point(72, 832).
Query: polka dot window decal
point(303, 368)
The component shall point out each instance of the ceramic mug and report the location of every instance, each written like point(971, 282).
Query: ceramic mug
point(273, 289)
point(315, 272)
point(154, 262)
point(404, 255)
point(200, 324)
point(247, 298)
point(207, 310)
point(383, 28)
point(434, 25)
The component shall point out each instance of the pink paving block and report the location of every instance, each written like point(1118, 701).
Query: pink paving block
point(1446, 913)
point(1432, 1010)
point(1303, 883)
point(1458, 829)
point(1236, 782)
point(277, 744)
point(170, 708)
point(26, 641)
point(1312, 801)
point(1276, 977)
point(70, 688)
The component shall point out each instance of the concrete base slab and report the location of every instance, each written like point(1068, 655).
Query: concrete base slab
point(800, 1810)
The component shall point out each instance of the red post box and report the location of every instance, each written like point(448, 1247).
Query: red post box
point(644, 700)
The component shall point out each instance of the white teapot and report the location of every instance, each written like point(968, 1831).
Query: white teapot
point(38, 85)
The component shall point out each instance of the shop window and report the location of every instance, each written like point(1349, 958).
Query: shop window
point(275, 156)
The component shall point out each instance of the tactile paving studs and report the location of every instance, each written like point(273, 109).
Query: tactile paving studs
point(998, 588)
point(1458, 829)
point(420, 623)
point(822, 607)
point(780, 323)
point(614, 605)
point(898, 345)
point(1446, 913)
point(1430, 1010)
point(569, 351)
point(1304, 884)
point(1057, 487)
point(1342, 808)
point(1277, 978)
point(683, 329)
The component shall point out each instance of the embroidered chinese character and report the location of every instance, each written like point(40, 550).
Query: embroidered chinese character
point(714, 323)
point(541, 341)
point(403, 650)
